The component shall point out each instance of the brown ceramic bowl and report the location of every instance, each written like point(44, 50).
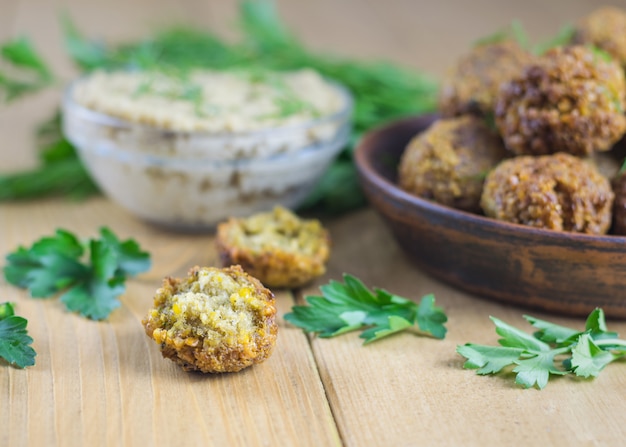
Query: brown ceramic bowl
point(566, 273)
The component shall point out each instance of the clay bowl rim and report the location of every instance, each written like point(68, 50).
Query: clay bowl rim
point(363, 155)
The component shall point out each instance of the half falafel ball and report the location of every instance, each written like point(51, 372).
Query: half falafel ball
point(471, 86)
point(277, 247)
point(571, 100)
point(604, 28)
point(558, 192)
point(448, 162)
point(214, 320)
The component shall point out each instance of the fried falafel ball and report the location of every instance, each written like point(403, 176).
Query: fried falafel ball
point(558, 192)
point(447, 163)
point(277, 247)
point(472, 84)
point(570, 100)
point(604, 28)
point(214, 320)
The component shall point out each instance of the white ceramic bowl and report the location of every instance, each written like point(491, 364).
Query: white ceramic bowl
point(193, 180)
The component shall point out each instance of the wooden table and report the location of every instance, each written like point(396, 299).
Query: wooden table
point(105, 383)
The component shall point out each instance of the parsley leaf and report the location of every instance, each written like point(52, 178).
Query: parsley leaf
point(552, 350)
point(96, 296)
point(550, 332)
point(350, 306)
point(488, 359)
point(48, 266)
point(536, 369)
point(53, 265)
point(14, 339)
point(588, 359)
point(130, 260)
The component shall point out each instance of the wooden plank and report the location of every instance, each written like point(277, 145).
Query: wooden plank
point(412, 390)
point(105, 383)
point(409, 390)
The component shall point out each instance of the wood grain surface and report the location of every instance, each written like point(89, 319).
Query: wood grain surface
point(105, 383)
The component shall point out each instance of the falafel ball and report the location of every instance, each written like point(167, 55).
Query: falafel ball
point(448, 162)
point(571, 100)
point(214, 320)
point(472, 84)
point(277, 247)
point(558, 192)
point(619, 204)
point(604, 28)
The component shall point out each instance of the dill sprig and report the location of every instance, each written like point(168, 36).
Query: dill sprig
point(382, 91)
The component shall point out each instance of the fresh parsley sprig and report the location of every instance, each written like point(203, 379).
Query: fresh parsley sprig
point(54, 265)
point(551, 350)
point(350, 306)
point(14, 339)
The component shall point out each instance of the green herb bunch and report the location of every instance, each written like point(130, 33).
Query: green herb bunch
point(382, 91)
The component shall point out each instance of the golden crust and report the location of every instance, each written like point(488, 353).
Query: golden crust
point(276, 247)
point(199, 334)
point(557, 192)
point(471, 86)
point(606, 29)
point(569, 100)
point(447, 163)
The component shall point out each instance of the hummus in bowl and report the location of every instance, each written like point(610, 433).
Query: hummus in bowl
point(188, 150)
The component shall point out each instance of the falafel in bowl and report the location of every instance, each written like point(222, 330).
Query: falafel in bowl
point(516, 189)
point(563, 272)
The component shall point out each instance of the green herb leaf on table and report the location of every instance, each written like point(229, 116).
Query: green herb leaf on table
point(14, 339)
point(349, 306)
point(54, 265)
point(552, 350)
